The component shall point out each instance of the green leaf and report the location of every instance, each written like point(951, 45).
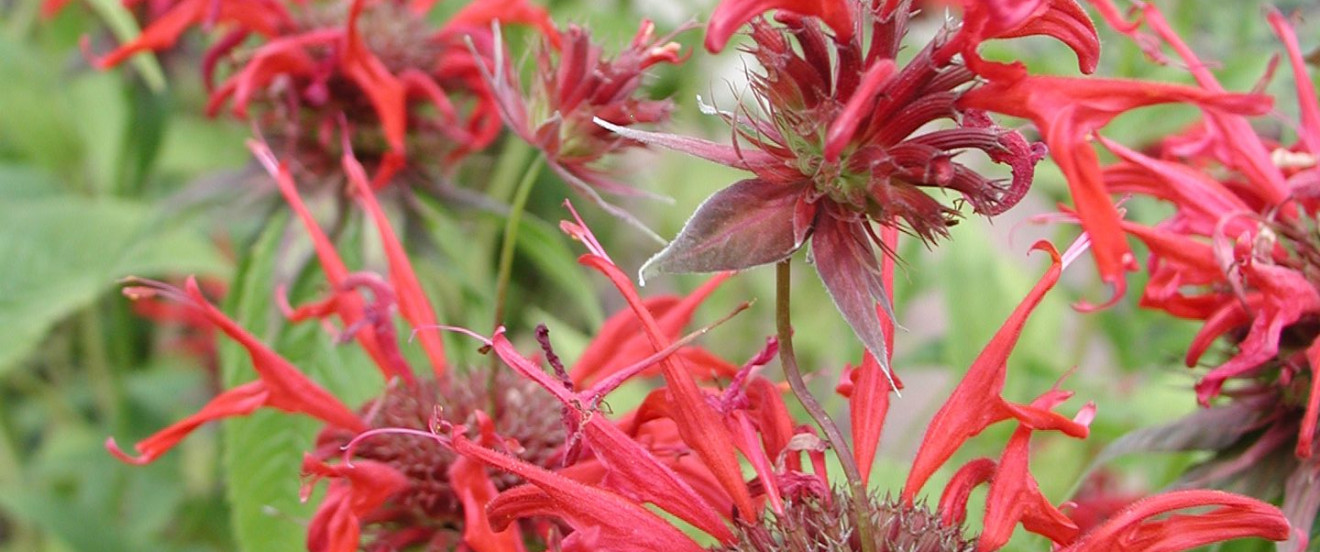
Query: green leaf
point(78, 526)
point(38, 117)
point(263, 451)
point(61, 253)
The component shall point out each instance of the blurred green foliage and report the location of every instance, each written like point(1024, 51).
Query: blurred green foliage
point(104, 175)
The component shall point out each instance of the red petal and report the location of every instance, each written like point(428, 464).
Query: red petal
point(1068, 111)
point(867, 409)
point(1135, 529)
point(1061, 19)
point(697, 421)
point(280, 386)
point(355, 492)
point(413, 303)
point(841, 130)
point(1309, 131)
point(618, 523)
point(976, 402)
point(1285, 296)
point(1015, 496)
point(349, 306)
point(1306, 437)
point(481, 13)
point(619, 341)
point(160, 34)
point(239, 401)
point(953, 503)
point(636, 469)
point(475, 489)
point(730, 15)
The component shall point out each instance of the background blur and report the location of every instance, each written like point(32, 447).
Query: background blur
point(110, 174)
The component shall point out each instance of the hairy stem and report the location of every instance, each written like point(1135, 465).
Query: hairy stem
point(833, 436)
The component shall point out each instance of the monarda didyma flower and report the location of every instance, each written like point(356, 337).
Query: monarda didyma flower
point(1240, 254)
point(796, 510)
point(575, 82)
point(842, 142)
point(405, 88)
point(396, 492)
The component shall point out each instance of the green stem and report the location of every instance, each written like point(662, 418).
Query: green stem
point(784, 327)
point(96, 359)
point(511, 225)
point(509, 170)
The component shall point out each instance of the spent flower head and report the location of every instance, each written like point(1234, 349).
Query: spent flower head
point(574, 83)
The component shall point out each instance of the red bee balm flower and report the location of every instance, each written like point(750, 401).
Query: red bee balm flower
point(394, 492)
point(1239, 253)
point(378, 64)
point(800, 513)
point(1069, 111)
point(838, 147)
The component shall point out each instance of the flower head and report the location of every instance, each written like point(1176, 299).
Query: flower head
point(1239, 253)
point(391, 491)
point(379, 66)
point(842, 141)
point(798, 510)
point(575, 82)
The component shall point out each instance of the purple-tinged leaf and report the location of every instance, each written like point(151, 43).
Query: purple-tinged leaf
point(1301, 501)
point(851, 273)
point(1211, 429)
point(747, 224)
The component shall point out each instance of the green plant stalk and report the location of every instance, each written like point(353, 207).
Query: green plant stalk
point(784, 327)
point(509, 245)
point(509, 171)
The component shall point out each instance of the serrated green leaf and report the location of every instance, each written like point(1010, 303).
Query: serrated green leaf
point(61, 253)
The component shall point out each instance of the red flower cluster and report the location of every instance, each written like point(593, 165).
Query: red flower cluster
point(395, 491)
point(377, 64)
point(603, 503)
point(1068, 111)
point(1240, 254)
point(845, 149)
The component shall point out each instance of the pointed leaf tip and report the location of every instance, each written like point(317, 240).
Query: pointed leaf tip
point(747, 224)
